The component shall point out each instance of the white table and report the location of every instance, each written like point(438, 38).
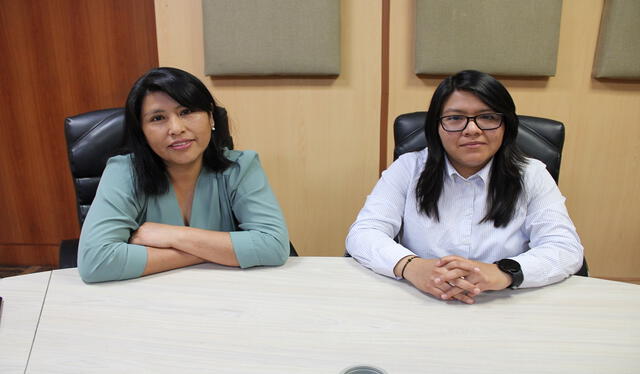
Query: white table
point(323, 314)
point(23, 298)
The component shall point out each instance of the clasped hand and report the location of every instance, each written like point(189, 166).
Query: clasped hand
point(455, 277)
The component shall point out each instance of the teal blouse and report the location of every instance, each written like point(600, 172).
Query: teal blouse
point(237, 200)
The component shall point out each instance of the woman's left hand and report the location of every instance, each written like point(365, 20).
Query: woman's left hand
point(485, 276)
point(152, 234)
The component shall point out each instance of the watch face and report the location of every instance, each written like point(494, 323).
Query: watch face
point(509, 266)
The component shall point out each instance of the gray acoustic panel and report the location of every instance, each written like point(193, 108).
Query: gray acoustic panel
point(503, 37)
point(618, 51)
point(271, 37)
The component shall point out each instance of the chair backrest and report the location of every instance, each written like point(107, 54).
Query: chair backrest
point(91, 139)
point(538, 138)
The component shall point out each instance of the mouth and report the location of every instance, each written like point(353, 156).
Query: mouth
point(472, 145)
point(181, 144)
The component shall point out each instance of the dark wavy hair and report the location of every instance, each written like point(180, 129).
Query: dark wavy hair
point(505, 183)
point(150, 172)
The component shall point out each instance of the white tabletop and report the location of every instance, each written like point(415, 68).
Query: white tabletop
point(323, 314)
point(22, 301)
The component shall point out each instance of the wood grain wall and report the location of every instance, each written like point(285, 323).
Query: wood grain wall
point(58, 58)
point(317, 138)
point(600, 173)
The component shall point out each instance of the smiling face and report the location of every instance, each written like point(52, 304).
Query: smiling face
point(471, 149)
point(175, 133)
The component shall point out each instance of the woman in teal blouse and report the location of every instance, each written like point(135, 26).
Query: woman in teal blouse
point(181, 197)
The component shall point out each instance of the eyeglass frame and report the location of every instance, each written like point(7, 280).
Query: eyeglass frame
point(469, 119)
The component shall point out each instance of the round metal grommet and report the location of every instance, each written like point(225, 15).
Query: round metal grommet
point(363, 369)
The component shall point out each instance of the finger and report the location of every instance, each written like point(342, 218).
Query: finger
point(461, 286)
point(452, 292)
point(458, 294)
point(465, 298)
point(459, 264)
point(445, 260)
point(435, 291)
point(477, 277)
point(450, 275)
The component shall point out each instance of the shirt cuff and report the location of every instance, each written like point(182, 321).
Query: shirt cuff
point(243, 246)
point(136, 261)
point(532, 271)
point(390, 258)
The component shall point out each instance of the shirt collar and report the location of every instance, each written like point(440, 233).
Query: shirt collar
point(482, 174)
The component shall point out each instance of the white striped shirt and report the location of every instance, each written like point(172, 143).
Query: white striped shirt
point(540, 236)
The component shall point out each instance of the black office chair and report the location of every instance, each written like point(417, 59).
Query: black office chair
point(91, 139)
point(538, 138)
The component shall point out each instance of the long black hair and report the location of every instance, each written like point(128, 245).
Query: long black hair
point(150, 172)
point(505, 183)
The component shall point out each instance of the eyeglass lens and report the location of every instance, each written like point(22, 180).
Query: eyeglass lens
point(486, 121)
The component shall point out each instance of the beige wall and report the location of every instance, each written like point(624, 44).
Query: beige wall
point(601, 162)
point(317, 138)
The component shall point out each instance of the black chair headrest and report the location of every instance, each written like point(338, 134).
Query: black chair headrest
point(538, 138)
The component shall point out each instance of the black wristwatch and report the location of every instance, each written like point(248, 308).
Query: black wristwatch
point(511, 267)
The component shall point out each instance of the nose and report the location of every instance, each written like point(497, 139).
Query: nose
point(176, 127)
point(472, 128)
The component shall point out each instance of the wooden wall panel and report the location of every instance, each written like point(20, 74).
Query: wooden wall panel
point(600, 173)
point(29, 254)
point(317, 138)
point(59, 58)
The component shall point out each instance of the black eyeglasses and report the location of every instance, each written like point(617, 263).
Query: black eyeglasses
point(458, 122)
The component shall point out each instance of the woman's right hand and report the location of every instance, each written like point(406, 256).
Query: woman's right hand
point(425, 275)
point(151, 234)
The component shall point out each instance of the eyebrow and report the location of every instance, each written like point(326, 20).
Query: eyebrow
point(152, 112)
point(162, 110)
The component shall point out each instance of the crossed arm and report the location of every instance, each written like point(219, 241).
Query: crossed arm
point(114, 245)
point(171, 247)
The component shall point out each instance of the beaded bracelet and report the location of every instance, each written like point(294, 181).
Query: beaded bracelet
point(405, 265)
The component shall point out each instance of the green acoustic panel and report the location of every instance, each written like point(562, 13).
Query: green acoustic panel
point(618, 52)
point(271, 37)
point(503, 37)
